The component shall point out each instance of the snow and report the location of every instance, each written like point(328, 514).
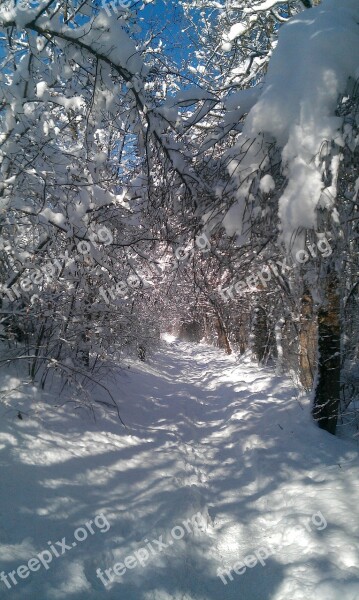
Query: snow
point(226, 46)
point(41, 88)
point(243, 99)
point(236, 31)
point(316, 54)
point(267, 184)
point(109, 37)
point(207, 435)
point(70, 103)
point(263, 6)
point(50, 215)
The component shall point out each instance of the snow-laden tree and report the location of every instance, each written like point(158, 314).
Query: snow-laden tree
point(116, 153)
point(78, 141)
point(293, 139)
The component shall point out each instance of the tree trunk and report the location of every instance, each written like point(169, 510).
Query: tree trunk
point(262, 338)
point(327, 393)
point(308, 341)
point(223, 341)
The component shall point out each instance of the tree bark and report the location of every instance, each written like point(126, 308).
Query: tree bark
point(327, 393)
point(262, 338)
point(223, 341)
point(308, 341)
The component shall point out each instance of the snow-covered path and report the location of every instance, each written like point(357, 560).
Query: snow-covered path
point(220, 458)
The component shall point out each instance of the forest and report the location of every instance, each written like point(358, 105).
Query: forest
point(211, 168)
point(179, 186)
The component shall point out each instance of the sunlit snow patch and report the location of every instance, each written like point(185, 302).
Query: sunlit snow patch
point(168, 337)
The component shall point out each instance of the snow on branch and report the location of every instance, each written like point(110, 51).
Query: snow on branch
point(317, 53)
